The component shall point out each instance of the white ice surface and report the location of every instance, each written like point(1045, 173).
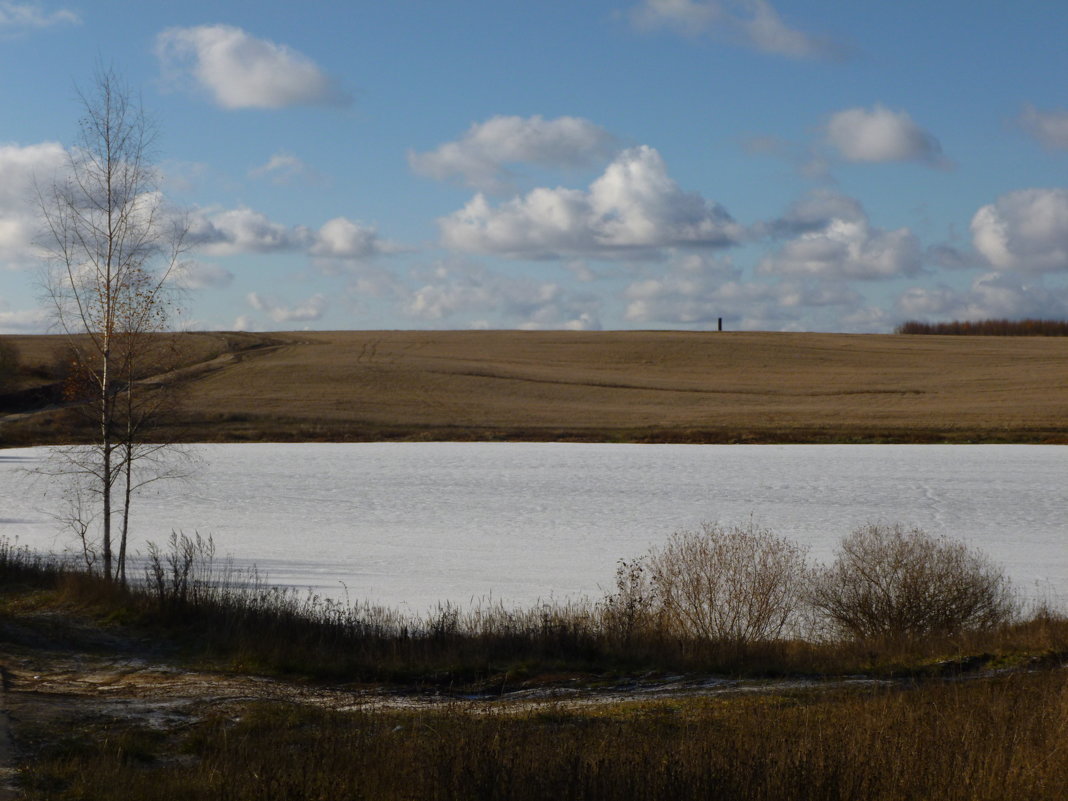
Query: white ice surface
point(412, 524)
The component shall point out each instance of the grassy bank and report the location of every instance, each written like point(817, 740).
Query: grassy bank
point(997, 738)
point(222, 619)
point(977, 714)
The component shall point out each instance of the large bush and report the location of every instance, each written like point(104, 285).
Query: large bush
point(891, 582)
point(738, 584)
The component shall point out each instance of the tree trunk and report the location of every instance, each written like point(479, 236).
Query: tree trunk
point(127, 494)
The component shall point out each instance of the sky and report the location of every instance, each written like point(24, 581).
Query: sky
point(611, 164)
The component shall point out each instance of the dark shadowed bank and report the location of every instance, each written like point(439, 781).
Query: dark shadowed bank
point(326, 701)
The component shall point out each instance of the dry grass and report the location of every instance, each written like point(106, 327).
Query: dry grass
point(635, 386)
point(221, 618)
point(986, 740)
point(950, 730)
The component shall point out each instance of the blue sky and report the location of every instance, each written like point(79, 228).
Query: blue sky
point(611, 164)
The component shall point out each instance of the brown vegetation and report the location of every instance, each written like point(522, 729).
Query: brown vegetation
point(636, 386)
point(989, 328)
point(736, 585)
point(948, 728)
point(887, 581)
point(986, 740)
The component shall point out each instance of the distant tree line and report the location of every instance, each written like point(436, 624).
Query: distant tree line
point(989, 328)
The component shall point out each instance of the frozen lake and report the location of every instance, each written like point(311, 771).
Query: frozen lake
point(411, 524)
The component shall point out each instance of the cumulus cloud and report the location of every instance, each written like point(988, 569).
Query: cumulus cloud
point(480, 157)
point(20, 17)
point(239, 70)
point(284, 169)
point(341, 238)
point(865, 320)
point(244, 230)
point(990, 296)
point(195, 275)
point(1048, 127)
point(1025, 231)
point(880, 134)
point(305, 311)
point(23, 321)
point(813, 212)
point(22, 170)
point(633, 206)
point(950, 257)
point(694, 289)
point(752, 23)
point(470, 292)
point(838, 242)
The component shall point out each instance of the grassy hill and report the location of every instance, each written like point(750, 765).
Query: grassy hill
point(641, 386)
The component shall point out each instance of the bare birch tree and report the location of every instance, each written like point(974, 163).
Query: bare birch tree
point(112, 245)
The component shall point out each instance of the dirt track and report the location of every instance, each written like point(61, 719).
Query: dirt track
point(638, 386)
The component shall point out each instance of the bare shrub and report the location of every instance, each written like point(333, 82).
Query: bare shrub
point(628, 611)
point(738, 584)
point(179, 573)
point(891, 582)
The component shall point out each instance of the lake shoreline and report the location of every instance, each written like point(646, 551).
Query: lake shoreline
point(416, 523)
point(111, 692)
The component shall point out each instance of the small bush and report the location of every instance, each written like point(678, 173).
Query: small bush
point(740, 585)
point(629, 612)
point(183, 571)
point(891, 582)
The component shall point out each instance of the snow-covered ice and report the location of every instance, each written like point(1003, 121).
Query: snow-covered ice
point(412, 524)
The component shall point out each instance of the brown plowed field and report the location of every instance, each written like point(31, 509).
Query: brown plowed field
point(632, 385)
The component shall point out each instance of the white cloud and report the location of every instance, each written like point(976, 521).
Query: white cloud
point(838, 242)
point(184, 176)
point(633, 206)
point(990, 296)
point(341, 238)
point(752, 23)
point(865, 320)
point(950, 257)
point(1048, 127)
point(20, 17)
point(813, 212)
point(22, 170)
point(24, 321)
point(481, 155)
point(1025, 230)
point(689, 17)
point(457, 290)
point(693, 289)
point(881, 135)
point(244, 230)
point(195, 275)
point(305, 311)
point(284, 169)
point(239, 70)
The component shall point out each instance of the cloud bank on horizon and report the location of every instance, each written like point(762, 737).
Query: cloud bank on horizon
point(661, 163)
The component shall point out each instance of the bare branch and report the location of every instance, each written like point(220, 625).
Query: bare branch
point(112, 245)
